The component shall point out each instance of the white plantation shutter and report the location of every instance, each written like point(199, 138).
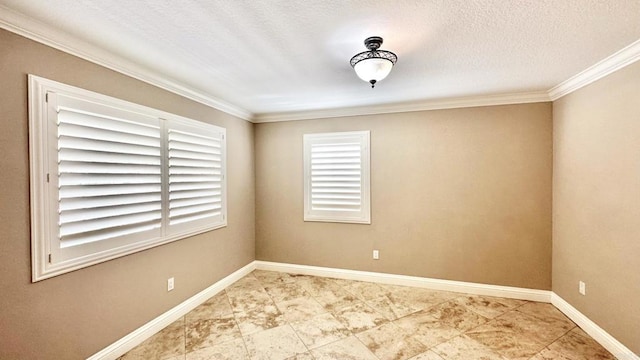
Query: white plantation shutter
point(337, 177)
point(196, 176)
point(109, 178)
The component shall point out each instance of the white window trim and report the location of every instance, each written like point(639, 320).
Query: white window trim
point(364, 216)
point(43, 194)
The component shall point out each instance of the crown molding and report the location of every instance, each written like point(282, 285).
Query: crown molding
point(624, 57)
point(452, 103)
point(20, 24)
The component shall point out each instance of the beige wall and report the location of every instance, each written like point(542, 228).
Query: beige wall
point(77, 314)
point(596, 202)
point(460, 194)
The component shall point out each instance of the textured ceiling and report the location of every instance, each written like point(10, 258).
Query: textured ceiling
point(268, 56)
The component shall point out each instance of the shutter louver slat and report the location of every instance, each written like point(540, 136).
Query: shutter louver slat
point(180, 203)
point(336, 178)
point(70, 192)
point(108, 146)
point(101, 157)
point(102, 134)
point(336, 196)
point(104, 201)
point(78, 167)
point(71, 179)
point(195, 165)
point(193, 194)
point(191, 140)
point(88, 120)
point(79, 227)
point(175, 188)
point(176, 220)
point(109, 233)
point(195, 155)
point(109, 172)
point(105, 212)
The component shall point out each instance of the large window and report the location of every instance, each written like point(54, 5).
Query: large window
point(336, 177)
point(109, 177)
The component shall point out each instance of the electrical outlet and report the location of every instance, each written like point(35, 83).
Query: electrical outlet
point(376, 254)
point(170, 284)
point(582, 288)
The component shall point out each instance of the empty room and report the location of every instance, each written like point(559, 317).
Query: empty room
point(322, 179)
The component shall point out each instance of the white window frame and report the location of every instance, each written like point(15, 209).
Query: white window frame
point(45, 239)
point(363, 215)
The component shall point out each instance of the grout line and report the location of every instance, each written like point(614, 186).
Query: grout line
point(365, 345)
point(226, 295)
point(299, 338)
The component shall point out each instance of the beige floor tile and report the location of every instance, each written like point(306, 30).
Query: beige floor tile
point(465, 348)
point(344, 282)
point(547, 354)
point(545, 312)
point(165, 345)
point(428, 355)
point(247, 283)
point(285, 291)
point(543, 321)
point(245, 301)
point(305, 356)
point(489, 306)
point(272, 277)
point(364, 290)
point(230, 350)
point(574, 346)
point(425, 328)
point(274, 344)
point(391, 309)
point(300, 309)
point(215, 307)
point(320, 330)
point(579, 331)
point(333, 299)
point(259, 319)
point(418, 298)
point(359, 317)
point(518, 335)
point(315, 285)
point(391, 342)
point(456, 316)
point(348, 349)
point(209, 332)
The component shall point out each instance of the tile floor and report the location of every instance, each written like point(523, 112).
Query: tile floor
point(270, 315)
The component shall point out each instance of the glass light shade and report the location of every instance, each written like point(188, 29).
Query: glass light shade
point(373, 69)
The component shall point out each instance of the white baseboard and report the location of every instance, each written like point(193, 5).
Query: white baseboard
point(596, 332)
point(144, 332)
point(392, 279)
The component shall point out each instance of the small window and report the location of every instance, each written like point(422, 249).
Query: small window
point(109, 178)
point(336, 177)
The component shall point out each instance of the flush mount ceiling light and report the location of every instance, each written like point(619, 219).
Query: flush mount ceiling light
point(373, 65)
